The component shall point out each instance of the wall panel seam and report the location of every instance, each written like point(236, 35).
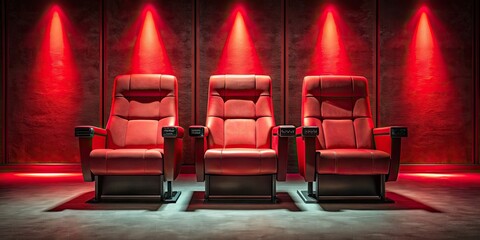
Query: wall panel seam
point(4, 80)
point(377, 63)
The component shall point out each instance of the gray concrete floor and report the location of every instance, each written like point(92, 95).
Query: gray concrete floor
point(432, 206)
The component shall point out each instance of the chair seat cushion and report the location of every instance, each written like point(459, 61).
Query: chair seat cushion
point(352, 161)
point(240, 161)
point(126, 161)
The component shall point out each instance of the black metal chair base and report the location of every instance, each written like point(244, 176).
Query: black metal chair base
point(127, 198)
point(171, 198)
point(227, 188)
point(307, 198)
point(137, 188)
point(351, 188)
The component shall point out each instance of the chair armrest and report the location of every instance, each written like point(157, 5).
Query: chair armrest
point(172, 151)
point(197, 131)
point(306, 151)
point(284, 131)
point(89, 138)
point(388, 139)
point(200, 134)
point(172, 132)
point(394, 132)
point(280, 135)
point(89, 131)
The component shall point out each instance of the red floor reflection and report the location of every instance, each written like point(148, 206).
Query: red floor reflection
point(408, 193)
point(446, 178)
point(14, 178)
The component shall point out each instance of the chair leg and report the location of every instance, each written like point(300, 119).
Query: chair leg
point(98, 190)
point(171, 196)
point(308, 196)
point(274, 188)
point(169, 189)
point(310, 189)
point(382, 188)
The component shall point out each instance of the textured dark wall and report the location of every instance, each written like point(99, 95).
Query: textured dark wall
point(177, 35)
point(436, 106)
point(355, 21)
point(265, 27)
point(2, 82)
point(477, 79)
point(441, 122)
point(43, 112)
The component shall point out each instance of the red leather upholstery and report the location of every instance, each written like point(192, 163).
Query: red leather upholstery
point(384, 141)
point(142, 105)
point(352, 161)
point(239, 112)
point(337, 145)
point(340, 107)
point(240, 161)
point(238, 133)
point(126, 161)
point(132, 143)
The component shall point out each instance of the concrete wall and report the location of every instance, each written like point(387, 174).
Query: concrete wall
point(439, 108)
point(437, 104)
point(42, 108)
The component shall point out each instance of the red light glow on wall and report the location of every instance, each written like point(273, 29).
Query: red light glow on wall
point(239, 55)
point(426, 70)
point(22, 178)
point(149, 54)
point(329, 55)
point(52, 95)
point(432, 97)
point(57, 42)
point(48, 175)
point(55, 68)
point(425, 58)
point(424, 38)
point(425, 66)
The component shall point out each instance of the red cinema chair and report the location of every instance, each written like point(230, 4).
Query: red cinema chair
point(141, 147)
point(338, 148)
point(240, 153)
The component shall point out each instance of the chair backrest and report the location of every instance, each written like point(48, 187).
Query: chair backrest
point(340, 107)
point(240, 111)
point(142, 104)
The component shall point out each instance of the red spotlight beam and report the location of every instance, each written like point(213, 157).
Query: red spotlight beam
point(428, 87)
point(329, 56)
point(55, 67)
point(426, 68)
point(239, 55)
point(149, 54)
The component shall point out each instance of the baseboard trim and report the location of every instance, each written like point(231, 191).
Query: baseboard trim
point(62, 168)
point(438, 168)
point(190, 169)
point(42, 167)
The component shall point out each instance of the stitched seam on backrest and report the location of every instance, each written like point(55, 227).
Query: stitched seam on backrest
point(255, 114)
point(128, 112)
point(352, 117)
point(159, 108)
point(223, 105)
point(321, 115)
